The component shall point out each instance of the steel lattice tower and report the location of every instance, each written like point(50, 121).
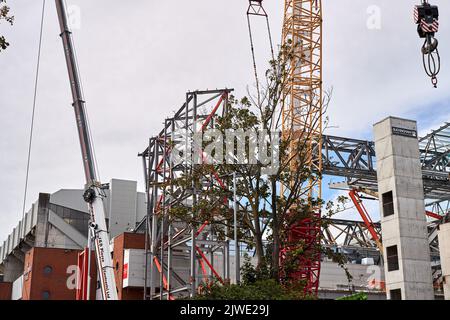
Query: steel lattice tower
point(302, 119)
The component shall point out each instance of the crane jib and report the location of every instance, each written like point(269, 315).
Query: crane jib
point(93, 195)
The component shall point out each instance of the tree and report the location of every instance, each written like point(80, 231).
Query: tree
point(255, 285)
point(5, 15)
point(270, 202)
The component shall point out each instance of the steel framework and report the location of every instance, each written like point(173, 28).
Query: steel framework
point(349, 233)
point(180, 256)
point(435, 152)
point(302, 121)
point(356, 161)
point(357, 201)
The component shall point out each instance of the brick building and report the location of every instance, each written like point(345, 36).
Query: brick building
point(39, 257)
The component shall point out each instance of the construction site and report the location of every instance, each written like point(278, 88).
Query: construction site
point(227, 184)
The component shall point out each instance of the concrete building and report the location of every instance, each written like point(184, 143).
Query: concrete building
point(444, 247)
point(59, 222)
point(403, 222)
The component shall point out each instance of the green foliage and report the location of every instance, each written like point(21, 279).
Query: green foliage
point(356, 296)
point(256, 285)
point(259, 290)
point(250, 275)
point(5, 15)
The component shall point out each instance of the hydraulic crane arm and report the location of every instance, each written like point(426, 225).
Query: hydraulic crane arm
point(94, 193)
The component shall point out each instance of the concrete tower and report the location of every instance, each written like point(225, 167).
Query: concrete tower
point(403, 223)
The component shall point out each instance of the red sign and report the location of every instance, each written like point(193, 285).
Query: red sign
point(125, 271)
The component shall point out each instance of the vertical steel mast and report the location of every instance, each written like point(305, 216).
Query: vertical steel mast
point(302, 119)
point(94, 193)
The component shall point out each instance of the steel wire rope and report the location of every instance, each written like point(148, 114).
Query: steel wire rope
point(33, 113)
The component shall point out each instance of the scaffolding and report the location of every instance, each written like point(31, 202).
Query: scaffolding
point(180, 256)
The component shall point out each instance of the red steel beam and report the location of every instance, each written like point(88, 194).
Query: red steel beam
point(158, 266)
point(433, 215)
point(209, 264)
point(366, 218)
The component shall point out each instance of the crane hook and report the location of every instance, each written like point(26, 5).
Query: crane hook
point(426, 16)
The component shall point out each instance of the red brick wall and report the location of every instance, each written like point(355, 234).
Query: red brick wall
point(5, 290)
point(37, 281)
point(121, 242)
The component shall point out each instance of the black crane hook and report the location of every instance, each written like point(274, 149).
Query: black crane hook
point(426, 16)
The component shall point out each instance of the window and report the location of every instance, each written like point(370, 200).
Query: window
point(48, 270)
point(46, 295)
point(388, 204)
point(392, 258)
point(396, 294)
point(66, 213)
point(77, 219)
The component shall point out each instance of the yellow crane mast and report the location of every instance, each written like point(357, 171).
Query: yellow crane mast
point(302, 121)
point(302, 109)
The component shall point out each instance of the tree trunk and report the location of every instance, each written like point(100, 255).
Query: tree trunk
point(275, 233)
point(258, 241)
point(258, 233)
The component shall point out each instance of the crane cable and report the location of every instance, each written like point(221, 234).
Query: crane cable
point(430, 51)
point(270, 38)
point(36, 81)
point(252, 43)
point(431, 60)
point(254, 59)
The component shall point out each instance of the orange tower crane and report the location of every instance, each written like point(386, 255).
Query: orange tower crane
point(302, 121)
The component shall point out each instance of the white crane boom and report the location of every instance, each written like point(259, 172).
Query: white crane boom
point(94, 193)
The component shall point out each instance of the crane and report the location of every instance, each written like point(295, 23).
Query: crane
point(302, 110)
point(94, 194)
point(302, 119)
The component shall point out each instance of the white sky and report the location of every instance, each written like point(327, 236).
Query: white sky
point(138, 58)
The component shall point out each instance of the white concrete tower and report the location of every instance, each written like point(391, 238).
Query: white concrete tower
point(444, 251)
point(403, 224)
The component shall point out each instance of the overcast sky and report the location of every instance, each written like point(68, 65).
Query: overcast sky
point(139, 57)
